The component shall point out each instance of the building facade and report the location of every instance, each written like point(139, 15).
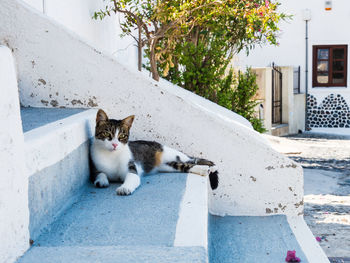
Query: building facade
point(316, 39)
point(103, 34)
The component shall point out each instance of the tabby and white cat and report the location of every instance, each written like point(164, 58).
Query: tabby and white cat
point(117, 159)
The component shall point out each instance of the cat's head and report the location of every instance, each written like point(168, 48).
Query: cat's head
point(110, 134)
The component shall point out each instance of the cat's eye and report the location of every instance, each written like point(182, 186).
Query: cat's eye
point(122, 136)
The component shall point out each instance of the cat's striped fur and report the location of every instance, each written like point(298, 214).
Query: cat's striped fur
point(115, 158)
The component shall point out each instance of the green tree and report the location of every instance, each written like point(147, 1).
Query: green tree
point(202, 58)
point(242, 98)
point(154, 21)
point(191, 43)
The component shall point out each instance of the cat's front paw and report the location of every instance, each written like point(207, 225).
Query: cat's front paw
point(101, 181)
point(122, 190)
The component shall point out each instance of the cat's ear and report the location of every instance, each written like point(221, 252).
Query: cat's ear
point(101, 116)
point(128, 121)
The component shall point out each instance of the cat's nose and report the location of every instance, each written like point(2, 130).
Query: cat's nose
point(114, 145)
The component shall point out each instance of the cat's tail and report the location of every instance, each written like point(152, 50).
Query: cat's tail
point(214, 179)
point(198, 166)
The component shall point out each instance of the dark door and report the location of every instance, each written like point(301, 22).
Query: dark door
point(276, 95)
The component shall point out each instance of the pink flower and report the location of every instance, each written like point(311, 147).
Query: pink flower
point(318, 239)
point(291, 256)
point(267, 3)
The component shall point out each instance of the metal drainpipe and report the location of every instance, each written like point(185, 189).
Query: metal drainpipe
point(306, 69)
point(306, 18)
point(44, 6)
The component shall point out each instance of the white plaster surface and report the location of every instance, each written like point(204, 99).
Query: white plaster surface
point(298, 116)
point(77, 16)
point(254, 179)
point(14, 214)
point(333, 131)
point(37, 4)
point(63, 136)
point(104, 34)
point(325, 28)
point(192, 225)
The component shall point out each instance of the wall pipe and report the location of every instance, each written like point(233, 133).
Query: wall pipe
point(44, 6)
point(306, 70)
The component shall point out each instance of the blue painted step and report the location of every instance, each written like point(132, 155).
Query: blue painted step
point(102, 218)
point(246, 239)
point(104, 227)
point(36, 117)
point(116, 254)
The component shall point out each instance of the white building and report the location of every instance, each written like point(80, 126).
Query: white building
point(325, 78)
point(103, 34)
point(45, 65)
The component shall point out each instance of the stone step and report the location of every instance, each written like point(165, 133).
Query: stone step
point(113, 254)
point(148, 224)
point(56, 143)
point(247, 239)
point(280, 130)
point(33, 118)
point(102, 218)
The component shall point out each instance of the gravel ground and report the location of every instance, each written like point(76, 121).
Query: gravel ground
point(326, 162)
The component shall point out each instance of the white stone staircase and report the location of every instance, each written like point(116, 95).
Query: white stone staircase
point(57, 160)
point(166, 220)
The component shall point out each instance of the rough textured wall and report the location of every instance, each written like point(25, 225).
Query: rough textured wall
point(332, 112)
point(14, 215)
point(57, 69)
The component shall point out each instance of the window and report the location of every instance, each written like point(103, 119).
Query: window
point(329, 66)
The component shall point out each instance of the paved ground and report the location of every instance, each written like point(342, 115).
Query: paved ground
point(326, 162)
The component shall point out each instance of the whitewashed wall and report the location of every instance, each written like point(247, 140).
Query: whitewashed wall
point(14, 214)
point(55, 68)
point(104, 34)
point(325, 28)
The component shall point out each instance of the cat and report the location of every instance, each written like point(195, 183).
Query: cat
point(115, 158)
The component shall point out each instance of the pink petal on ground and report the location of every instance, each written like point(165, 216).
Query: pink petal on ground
point(318, 239)
point(291, 256)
